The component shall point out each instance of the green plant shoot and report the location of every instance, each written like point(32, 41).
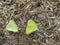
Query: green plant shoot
point(31, 27)
point(11, 26)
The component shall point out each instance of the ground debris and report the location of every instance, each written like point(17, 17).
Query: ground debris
point(46, 13)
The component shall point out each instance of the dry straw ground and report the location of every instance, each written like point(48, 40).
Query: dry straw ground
point(46, 13)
